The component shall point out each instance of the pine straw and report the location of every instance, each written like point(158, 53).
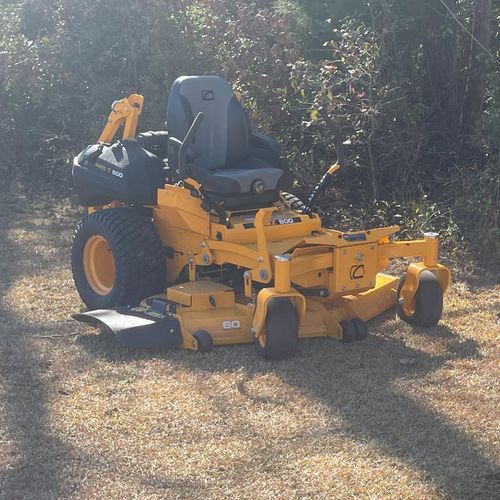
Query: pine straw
point(80, 417)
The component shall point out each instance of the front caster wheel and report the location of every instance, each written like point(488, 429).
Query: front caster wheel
point(427, 306)
point(348, 331)
point(204, 339)
point(361, 328)
point(281, 332)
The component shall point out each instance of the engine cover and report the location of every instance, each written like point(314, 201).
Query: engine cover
point(122, 171)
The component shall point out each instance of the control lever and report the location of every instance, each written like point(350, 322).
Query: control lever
point(183, 146)
point(325, 182)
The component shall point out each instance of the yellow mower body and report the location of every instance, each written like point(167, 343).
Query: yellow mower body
point(321, 259)
point(329, 276)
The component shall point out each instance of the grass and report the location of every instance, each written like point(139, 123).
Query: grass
point(80, 417)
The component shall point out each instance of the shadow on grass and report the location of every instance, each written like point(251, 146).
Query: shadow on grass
point(35, 468)
point(358, 382)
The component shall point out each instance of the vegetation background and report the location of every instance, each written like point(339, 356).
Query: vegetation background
point(405, 94)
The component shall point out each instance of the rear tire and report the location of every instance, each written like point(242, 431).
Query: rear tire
point(428, 301)
point(281, 330)
point(295, 203)
point(117, 258)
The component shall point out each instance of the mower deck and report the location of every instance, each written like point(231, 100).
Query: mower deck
point(171, 320)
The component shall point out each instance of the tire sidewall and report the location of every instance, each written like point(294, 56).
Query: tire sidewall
point(428, 301)
point(282, 330)
point(87, 228)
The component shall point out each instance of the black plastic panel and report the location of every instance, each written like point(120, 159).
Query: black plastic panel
point(121, 171)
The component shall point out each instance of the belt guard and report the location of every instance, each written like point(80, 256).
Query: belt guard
point(137, 327)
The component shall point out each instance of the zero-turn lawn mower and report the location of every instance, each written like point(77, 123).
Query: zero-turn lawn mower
point(192, 240)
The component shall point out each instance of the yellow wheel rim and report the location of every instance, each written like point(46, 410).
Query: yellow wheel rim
point(99, 265)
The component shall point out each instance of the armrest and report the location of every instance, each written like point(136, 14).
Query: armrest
point(267, 149)
point(155, 142)
point(263, 141)
point(174, 143)
point(173, 152)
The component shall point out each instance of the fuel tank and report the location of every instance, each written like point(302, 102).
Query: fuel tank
point(121, 171)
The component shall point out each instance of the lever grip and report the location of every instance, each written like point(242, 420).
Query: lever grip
point(320, 188)
point(325, 182)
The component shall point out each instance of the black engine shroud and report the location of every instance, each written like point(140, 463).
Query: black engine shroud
point(121, 171)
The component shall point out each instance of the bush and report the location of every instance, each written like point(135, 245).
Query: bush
point(68, 62)
point(357, 90)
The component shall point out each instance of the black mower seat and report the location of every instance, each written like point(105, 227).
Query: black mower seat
point(238, 167)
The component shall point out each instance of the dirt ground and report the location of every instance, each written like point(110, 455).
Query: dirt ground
point(405, 413)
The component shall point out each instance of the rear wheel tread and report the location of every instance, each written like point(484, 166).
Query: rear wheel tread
point(295, 203)
point(138, 254)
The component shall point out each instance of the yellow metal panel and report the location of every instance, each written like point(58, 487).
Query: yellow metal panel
point(184, 213)
point(309, 269)
point(354, 268)
point(313, 279)
point(312, 325)
point(203, 294)
point(233, 253)
point(282, 246)
point(123, 112)
point(282, 273)
point(331, 237)
point(275, 247)
point(330, 318)
point(226, 325)
point(427, 248)
point(371, 303)
point(272, 230)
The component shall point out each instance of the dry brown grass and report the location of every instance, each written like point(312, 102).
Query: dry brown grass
point(80, 417)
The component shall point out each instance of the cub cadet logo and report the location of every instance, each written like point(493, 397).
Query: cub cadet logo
point(357, 271)
point(231, 324)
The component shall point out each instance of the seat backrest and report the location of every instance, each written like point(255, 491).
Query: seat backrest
point(223, 137)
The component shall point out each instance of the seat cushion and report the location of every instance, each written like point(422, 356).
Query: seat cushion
point(237, 180)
